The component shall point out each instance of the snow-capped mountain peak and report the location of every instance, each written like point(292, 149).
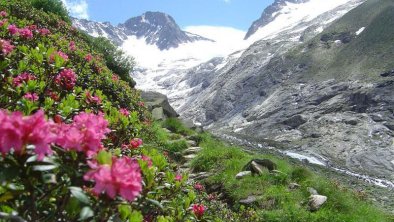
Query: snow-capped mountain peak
point(155, 28)
point(158, 29)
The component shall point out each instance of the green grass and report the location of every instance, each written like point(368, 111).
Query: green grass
point(176, 126)
point(277, 202)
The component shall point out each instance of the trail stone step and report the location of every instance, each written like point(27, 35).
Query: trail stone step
point(192, 150)
point(200, 176)
point(191, 143)
point(189, 157)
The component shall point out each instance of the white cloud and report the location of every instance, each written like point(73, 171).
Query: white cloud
point(227, 1)
point(77, 8)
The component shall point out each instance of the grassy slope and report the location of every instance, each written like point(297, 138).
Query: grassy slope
point(277, 202)
point(364, 57)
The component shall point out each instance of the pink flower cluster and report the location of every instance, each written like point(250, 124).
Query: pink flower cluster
point(6, 47)
point(134, 144)
point(123, 177)
point(124, 112)
point(178, 177)
point(71, 46)
point(23, 32)
point(115, 78)
point(3, 14)
point(31, 96)
point(88, 57)
point(198, 210)
point(61, 54)
point(92, 99)
point(84, 134)
point(23, 78)
point(16, 132)
point(44, 32)
point(66, 79)
point(2, 22)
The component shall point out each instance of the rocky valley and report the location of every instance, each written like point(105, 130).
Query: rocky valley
point(316, 85)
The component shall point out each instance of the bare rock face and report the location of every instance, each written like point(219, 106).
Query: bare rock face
point(159, 106)
point(243, 174)
point(316, 202)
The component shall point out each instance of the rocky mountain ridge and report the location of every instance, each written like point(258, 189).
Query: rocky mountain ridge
point(156, 28)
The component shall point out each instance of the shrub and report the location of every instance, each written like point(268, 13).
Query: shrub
point(52, 6)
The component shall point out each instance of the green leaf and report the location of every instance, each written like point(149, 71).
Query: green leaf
point(104, 157)
point(86, 213)
point(78, 193)
point(136, 216)
point(124, 211)
point(156, 203)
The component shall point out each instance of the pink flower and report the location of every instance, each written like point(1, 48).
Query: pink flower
point(32, 27)
point(135, 143)
point(6, 47)
point(124, 112)
point(198, 187)
point(92, 99)
point(23, 78)
point(3, 14)
point(88, 57)
point(66, 79)
point(84, 134)
point(115, 78)
point(17, 131)
point(178, 177)
point(31, 96)
point(71, 46)
point(198, 210)
point(61, 54)
point(140, 103)
point(26, 33)
point(13, 30)
point(2, 22)
point(123, 177)
point(44, 32)
point(148, 160)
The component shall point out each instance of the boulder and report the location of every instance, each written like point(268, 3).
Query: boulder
point(243, 174)
point(316, 201)
point(293, 186)
point(156, 100)
point(295, 121)
point(312, 191)
point(249, 200)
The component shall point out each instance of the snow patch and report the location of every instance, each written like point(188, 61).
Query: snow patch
point(360, 31)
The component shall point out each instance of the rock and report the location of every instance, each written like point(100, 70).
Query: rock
point(158, 113)
point(293, 186)
point(192, 150)
point(191, 143)
point(387, 74)
point(243, 174)
point(316, 201)
point(249, 200)
point(157, 100)
point(200, 176)
point(389, 125)
point(295, 121)
point(312, 191)
point(352, 121)
point(257, 168)
point(189, 157)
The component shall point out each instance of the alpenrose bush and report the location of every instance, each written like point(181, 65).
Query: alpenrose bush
point(70, 132)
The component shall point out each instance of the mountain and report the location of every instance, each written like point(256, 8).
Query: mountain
point(156, 28)
point(319, 90)
point(269, 15)
point(160, 29)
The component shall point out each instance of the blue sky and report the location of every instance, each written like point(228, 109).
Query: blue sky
point(233, 13)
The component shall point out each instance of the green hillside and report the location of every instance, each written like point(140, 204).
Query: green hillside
point(338, 52)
